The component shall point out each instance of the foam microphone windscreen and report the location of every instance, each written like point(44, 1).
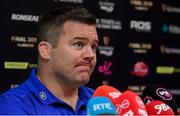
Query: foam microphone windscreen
point(157, 107)
point(157, 92)
point(109, 92)
point(100, 106)
point(131, 104)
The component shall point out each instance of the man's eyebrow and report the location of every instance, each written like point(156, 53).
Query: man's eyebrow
point(84, 38)
point(81, 38)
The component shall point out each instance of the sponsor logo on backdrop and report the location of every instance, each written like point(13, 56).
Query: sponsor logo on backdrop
point(13, 86)
point(106, 6)
point(105, 68)
point(108, 24)
point(137, 88)
point(167, 70)
point(25, 17)
point(170, 9)
point(70, 1)
point(106, 50)
point(23, 41)
point(169, 50)
point(174, 91)
point(18, 65)
point(140, 69)
point(142, 5)
point(172, 29)
point(140, 48)
point(140, 26)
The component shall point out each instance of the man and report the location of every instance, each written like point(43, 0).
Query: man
point(67, 57)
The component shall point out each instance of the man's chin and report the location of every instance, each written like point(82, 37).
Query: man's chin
point(84, 80)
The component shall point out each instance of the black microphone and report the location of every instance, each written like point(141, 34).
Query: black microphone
point(157, 92)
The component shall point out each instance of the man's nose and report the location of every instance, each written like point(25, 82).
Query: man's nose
point(89, 53)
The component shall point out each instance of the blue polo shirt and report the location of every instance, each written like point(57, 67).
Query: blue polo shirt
point(33, 98)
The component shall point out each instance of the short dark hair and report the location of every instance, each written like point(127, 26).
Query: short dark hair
point(50, 25)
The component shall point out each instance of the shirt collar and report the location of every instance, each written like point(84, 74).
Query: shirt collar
point(84, 96)
point(45, 96)
point(40, 91)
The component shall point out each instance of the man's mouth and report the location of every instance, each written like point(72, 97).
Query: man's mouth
point(84, 67)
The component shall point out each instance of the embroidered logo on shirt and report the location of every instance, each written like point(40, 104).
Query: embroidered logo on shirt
point(43, 95)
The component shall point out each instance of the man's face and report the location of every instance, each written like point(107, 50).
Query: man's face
point(74, 58)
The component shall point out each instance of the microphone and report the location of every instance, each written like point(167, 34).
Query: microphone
point(100, 106)
point(157, 107)
point(110, 92)
point(131, 104)
point(157, 92)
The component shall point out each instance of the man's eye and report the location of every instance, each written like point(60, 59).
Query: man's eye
point(94, 47)
point(78, 45)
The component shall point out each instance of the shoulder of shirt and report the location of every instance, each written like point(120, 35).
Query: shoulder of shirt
point(15, 101)
point(15, 95)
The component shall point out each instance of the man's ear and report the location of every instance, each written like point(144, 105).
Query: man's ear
point(45, 49)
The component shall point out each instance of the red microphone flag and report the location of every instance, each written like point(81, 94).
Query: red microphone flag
point(157, 107)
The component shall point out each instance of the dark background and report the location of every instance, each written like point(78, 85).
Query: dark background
point(153, 41)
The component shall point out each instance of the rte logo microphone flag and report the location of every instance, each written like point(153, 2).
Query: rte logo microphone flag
point(100, 106)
